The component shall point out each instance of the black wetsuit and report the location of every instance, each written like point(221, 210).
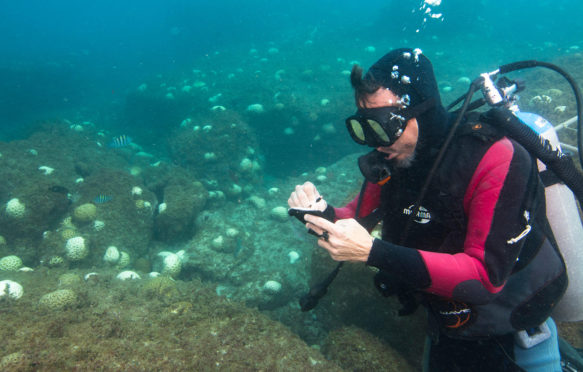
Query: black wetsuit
point(480, 249)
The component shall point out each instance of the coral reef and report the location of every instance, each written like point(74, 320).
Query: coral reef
point(220, 150)
point(124, 225)
point(183, 202)
point(115, 326)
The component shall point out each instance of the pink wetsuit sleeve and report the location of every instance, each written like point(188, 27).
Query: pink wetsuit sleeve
point(371, 200)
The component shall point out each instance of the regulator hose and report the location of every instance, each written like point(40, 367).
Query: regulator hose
point(561, 164)
point(521, 65)
point(532, 63)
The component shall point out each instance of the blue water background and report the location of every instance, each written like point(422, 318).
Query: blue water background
point(71, 58)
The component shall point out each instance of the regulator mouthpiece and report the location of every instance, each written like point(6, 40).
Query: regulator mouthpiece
point(375, 168)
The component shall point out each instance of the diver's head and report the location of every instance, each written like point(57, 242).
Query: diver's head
point(398, 97)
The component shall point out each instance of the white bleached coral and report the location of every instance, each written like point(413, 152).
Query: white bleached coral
point(112, 255)
point(172, 262)
point(46, 170)
point(76, 249)
point(136, 191)
point(10, 289)
point(293, 257)
point(161, 208)
point(128, 275)
point(279, 213)
point(256, 108)
point(15, 209)
point(98, 225)
point(218, 242)
point(246, 165)
point(257, 201)
point(272, 287)
point(232, 232)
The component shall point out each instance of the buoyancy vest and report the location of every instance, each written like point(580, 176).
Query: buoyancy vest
point(538, 277)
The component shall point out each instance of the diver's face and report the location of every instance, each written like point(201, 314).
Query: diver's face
point(402, 152)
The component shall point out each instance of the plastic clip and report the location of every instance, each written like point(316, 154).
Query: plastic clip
point(527, 339)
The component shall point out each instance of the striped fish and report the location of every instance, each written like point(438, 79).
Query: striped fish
point(100, 199)
point(120, 141)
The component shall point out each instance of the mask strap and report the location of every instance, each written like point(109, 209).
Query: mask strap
point(420, 108)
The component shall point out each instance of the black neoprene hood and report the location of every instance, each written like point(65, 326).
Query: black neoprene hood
point(408, 72)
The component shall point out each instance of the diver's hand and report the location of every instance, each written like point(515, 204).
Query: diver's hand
point(306, 196)
point(345, 240)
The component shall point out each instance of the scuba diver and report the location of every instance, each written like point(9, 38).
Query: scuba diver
point(464, 222)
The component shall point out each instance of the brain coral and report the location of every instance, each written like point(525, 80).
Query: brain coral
point(10, 263)
point(11, 289)
point(272, 286)
point(58, 300)
point(15, 209)
point(85, 212)
point(76, 249)
point(111, 255)
point(68, 233)
point(124, 260)
point(172, 263)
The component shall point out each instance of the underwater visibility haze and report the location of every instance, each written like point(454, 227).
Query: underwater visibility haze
point(148, 149)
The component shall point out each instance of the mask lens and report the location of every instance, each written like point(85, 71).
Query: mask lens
point(356, 130)
point(379, 131)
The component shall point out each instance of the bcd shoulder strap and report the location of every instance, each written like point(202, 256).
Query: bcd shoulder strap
point(477, 125)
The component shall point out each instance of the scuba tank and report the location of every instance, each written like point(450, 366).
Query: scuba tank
point(540, 139)
point(563, 216)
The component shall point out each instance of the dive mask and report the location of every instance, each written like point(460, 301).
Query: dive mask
point(377, 127)
point(382, 126)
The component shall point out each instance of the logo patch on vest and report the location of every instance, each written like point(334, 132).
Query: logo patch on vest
point(452, 314)
point(423, 215)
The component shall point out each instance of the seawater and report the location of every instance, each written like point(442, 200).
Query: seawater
point(228, 105)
